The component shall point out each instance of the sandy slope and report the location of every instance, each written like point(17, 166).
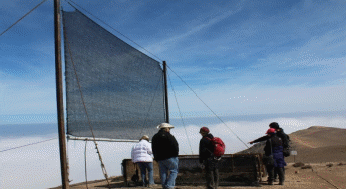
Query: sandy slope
point(319, 144)
point(314, 145)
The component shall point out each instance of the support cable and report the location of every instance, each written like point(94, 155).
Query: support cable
point(23, 17)
point(68, 160)
point(151, 103)
point(325, 179)
point(180, 114)
point(209, 107)
point(86, 112)
point(112, 28)
point(85, 164)
point(27, 145)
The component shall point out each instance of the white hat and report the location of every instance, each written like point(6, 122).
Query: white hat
point(165, 125)
point(146, 137)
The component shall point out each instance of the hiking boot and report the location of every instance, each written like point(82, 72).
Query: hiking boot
point(281, 183)
point(270, 183)
point(153, 185)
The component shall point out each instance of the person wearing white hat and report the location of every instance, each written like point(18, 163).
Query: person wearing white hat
point(166, 150)
point(141, 154)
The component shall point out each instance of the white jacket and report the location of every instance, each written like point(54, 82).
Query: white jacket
point(141, 152)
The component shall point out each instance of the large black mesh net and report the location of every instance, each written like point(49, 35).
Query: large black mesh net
point(122, 88)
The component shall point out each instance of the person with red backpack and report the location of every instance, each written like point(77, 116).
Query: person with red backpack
point(207, 151)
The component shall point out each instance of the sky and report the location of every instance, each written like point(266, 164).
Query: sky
point(242, 58)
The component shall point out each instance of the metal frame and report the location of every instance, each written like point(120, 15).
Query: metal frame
point(70, 137)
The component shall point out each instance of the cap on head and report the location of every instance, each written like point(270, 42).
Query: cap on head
point(204, 130)
point(274, 125)
point(271, 131)
point(165, 125)
point(145, 137)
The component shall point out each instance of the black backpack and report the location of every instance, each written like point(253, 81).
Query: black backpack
point(285, 143)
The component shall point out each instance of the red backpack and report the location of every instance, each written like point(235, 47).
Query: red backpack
point(219, 146)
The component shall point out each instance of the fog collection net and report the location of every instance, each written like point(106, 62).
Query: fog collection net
point(122, 88)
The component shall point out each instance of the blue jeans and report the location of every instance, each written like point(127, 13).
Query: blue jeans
point(171, 165)
point(144, 166)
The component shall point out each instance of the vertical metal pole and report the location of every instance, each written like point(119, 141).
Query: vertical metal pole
point(166, 93)
point(59, 96)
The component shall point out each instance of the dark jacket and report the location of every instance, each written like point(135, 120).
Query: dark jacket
point(274, 146)
point(206, 148)
point(280, 133)
point(264, 138)
point(285, 138)
point(164, 146)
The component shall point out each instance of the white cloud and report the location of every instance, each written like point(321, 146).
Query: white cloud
point(319, 51)
point(34, 166)
point(171, 42)
point(22, 97)
point(262, 99)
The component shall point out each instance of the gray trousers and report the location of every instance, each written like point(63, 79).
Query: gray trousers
point(279, 170)
point(212, 173)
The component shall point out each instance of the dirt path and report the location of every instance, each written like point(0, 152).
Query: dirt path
point(304, 143)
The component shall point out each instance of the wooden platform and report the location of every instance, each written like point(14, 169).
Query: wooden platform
point(234, 169)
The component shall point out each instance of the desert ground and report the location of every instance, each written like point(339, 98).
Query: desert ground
point(320, 163)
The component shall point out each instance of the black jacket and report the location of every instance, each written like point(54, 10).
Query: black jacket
point(285, 138)
point(272, 143)
point(274, 147)
point(164, 146)
point(280, 133)
point(206, 148)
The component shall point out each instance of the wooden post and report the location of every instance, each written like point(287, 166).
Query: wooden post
point(166, 93)
point(59, 96)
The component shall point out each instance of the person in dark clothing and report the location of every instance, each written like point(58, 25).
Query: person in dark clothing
point(207, 158)
point(166, 150)
point(274, 146)
point(280, 133)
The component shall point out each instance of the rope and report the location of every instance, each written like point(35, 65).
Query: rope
point(208, 107)
point(180, 114)
point(325, 179)
point(68, 161)
point(27, 145)
point(23, 17)
point(113, 29)
point(86, 112)
point(151, 103)
point(85, 164)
